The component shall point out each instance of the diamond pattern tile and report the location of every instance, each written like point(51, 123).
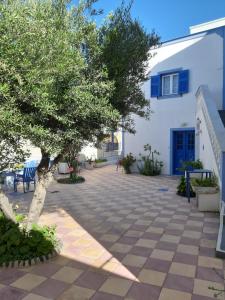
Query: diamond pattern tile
point(124, 237)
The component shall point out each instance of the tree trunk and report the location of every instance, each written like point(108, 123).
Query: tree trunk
point(38, 200)
point(40, 190)
point(45, 177)
point(6, 207)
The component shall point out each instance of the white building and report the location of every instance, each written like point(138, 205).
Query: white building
point(186, 92)
point(177, 69)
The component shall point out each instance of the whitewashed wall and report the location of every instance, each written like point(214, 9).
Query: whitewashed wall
point(211, 133)
point(203, 57)
point(89, 152)
point(35, 153)
point(205, 151)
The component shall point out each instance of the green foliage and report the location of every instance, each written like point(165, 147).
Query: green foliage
point(152, 166)
point(205, 182)
point(181, 188)
point(125, 52)
point(72, 179)
point(51, 92)
point(71, 156)
point(191, 165)
point(18, 166)
point(20, 218)
point(100, 160)
point(74, 165)
point(127, 162)
point(17, 244)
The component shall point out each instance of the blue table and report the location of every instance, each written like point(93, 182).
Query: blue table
point(207, 173)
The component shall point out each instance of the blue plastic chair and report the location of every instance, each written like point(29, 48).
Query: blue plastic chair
point(26, 178)
point(31, 163)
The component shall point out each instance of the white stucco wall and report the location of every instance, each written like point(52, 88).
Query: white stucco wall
point(205, 151)
point(211, 133)
point(89, 152)
point(35, 152)
point(203, 57)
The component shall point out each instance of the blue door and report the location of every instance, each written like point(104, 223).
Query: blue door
point(183, 148)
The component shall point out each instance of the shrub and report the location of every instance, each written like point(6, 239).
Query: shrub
point(181, 189)
point(205, 182)
point(74, 178)
point(151, 164)
point(187, 165)
point(100, 160)
point(127, 162)
point(191, 165)
point(16, 244)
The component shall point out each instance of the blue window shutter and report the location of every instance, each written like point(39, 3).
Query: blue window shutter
point(183, 81)
point(155, 86)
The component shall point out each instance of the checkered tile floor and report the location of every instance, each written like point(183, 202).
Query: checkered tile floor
point(124, 237)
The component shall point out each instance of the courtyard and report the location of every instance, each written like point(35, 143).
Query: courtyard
point(124, 237)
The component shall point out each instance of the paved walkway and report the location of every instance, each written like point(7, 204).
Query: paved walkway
point(124, 237)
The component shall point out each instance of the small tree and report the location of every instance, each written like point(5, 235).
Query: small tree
point(52, 92)
point(125, 51)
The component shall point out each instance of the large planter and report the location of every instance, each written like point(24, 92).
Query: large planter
point(100, 165)
point(63, 168)
point(208, 198)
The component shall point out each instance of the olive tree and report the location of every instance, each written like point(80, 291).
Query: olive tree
point(126, 52)
point(54, 88)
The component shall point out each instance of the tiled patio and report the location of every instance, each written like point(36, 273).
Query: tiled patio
point(124, 237)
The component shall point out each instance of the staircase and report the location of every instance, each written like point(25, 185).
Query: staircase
point(211, 140)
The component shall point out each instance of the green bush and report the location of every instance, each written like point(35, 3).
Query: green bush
point(205, 182)
point(152, 166)
point(191, 165)
point(127, 162)
point(16, 244)
point(74, 178)
point(100, 160)
point(181, 189)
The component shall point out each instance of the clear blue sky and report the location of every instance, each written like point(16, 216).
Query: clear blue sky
point(169, 18)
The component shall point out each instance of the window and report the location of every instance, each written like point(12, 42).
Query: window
point(170, 84)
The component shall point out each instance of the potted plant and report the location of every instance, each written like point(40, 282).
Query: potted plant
point(181, 188)
point(127, 162)
point(150, 163)
point(188, 165)
point(207, 193)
